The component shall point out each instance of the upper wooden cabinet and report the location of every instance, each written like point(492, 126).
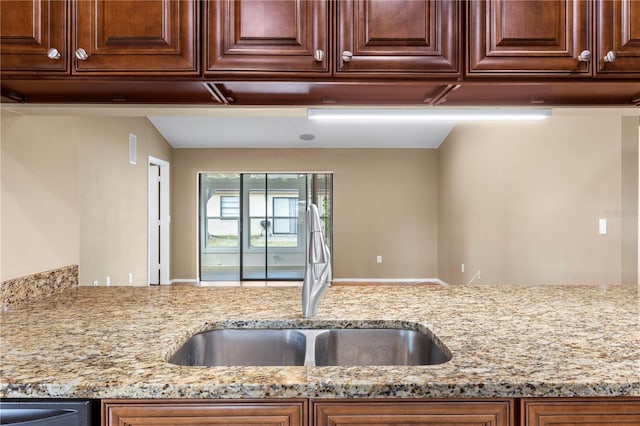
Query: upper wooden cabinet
point(136, 37)
point(100, 37)
point(302, 52)
point(34, 36)
point(558, 38)
point(373, 38)
point(290, 37)
point(618, 41)
point(401, 38)
point(543, 37)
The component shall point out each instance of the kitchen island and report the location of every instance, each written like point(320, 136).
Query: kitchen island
point(538, 341)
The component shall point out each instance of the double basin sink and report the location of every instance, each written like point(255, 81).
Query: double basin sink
point(310, 347)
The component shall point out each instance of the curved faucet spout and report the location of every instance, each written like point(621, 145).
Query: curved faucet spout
point(317, 274)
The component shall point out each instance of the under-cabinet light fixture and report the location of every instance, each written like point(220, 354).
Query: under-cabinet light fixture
point(392, 114)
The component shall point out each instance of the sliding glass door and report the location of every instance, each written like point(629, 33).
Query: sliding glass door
point(252, 226)
point(220, 226)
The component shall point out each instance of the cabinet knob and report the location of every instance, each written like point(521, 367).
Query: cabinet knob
point(585, 56)
point(53, 54)
point(346, 56)
point(610, 56)
point(81, 54)
point(318, 55)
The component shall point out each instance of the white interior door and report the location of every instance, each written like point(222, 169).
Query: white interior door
point(158, 222)
point(154, 224)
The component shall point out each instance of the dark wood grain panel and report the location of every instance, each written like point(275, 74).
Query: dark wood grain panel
point(426, 413)
point(397, 39)
point(266, 37)
point(580, 411)
point(177, 412)
point(102, 90)
point(528, 37)
point(28, 29)
point(618, 27)
point(532, 23)
point(141, 37)
point(147, 27)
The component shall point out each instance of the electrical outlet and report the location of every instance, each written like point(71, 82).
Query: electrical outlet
point(107, 281)
point(130, 278)
point(462, 268)
point(379, 259)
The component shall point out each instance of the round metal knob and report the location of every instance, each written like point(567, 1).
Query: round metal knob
point(585, 56)
point(53, 54)
point(346, 56)
point(318, 55)
point(81, 54)
point(610, 56)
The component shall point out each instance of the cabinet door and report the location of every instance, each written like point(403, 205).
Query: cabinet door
point(238, 413)
point(136, 37)
point(576, 411)
point(400, 38)
point(481, 413)
point(28, 30)
point(618, 31)
point(267, 37)
point(531, 37)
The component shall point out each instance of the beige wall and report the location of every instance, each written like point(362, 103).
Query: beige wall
point(113, 198)
point(70, 196)
point(40, 211)
point(520, 203)
point(384, 204)
point(629, 211)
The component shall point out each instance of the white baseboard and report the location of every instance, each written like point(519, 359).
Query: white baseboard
point(390, 280)
point(184, 280)
point(354, 280)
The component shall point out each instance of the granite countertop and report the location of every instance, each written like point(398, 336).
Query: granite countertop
point(113, 342)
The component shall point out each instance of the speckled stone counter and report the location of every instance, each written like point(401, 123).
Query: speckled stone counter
point(113, 342)
point(22, 290)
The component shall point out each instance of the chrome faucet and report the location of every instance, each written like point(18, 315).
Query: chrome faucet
point(317, 274)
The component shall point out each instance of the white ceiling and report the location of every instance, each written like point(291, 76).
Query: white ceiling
point(284, 132)
point(268, 127)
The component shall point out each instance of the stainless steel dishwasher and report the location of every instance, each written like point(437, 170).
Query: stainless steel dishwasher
point(49, 412)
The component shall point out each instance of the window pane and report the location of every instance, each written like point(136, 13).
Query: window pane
point(229, 207)
point(285, 215)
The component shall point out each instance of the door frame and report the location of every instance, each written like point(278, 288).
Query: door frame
point(165, 220)
point(199, 219)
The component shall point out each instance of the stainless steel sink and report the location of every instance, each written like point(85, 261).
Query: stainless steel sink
point(243, 347)
point(377, 347)
point(310, 347)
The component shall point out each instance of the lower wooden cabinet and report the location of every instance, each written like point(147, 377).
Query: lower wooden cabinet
point(199, 412)
point(580, 411)
point(617, 411)
point(414, 412)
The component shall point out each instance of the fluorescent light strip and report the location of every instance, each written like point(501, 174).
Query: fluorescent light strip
point(428, 114)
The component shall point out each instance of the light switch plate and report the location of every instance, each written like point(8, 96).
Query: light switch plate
point(133, 148)
point(602, 226)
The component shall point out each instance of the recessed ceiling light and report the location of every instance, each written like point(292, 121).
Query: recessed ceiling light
point(307, 137)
